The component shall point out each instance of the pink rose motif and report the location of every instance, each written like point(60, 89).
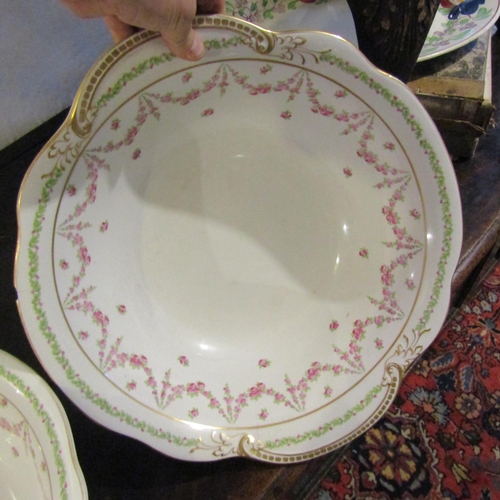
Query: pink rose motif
point(326, 111)
point(415, 214)
point(256, 391)
point(328, 391)
point(100, 318)
point(190, 97)
point(364, 253)
point(131, 133)
point(390, 215)
point(71, 190)
point(312, 373)
point(178, 390)
point(121, 309)
point(241, 400)
point(83, 335)
point(390, 146)
point(131, 385)
point(214, 402)
point(208, 112)
point(136, 154)
point(379, 344)
point(84, 255)
point(334, 325)
point(382, 169)
point(263, 88)
point(193, 413)
point(151, 382)
point(104, 226)
point(263, 414)
point(340, 93)
point(347, 172)
point(186, 76)
point(183, 360)
point(63, 264)
point(265, 69)
point(410, 284)
point(402, 260)
point(399, 233)
point(115, 124)
point(87, 306)
point(369, 157)
point(386, 278)
point(353, 347)
point(279, 398)
point(264, 363)
point(92, 190)
point(286, 115)
point(138, 361)
point(192, 388)
point(358, 330)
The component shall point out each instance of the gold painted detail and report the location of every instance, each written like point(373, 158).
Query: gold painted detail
point(291, 46)
point(63, 150)
point(264, 42)
point(224, 445)
point(84, 110)
point(402, 358)
point(264, 454)
point(259, 39)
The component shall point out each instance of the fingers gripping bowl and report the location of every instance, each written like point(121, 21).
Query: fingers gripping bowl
point(239, 256)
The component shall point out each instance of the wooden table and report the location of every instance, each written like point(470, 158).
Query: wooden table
point(119, 468)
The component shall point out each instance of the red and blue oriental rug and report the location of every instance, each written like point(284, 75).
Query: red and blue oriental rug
point(440, 440)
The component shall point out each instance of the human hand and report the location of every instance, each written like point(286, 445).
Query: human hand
point(172, 18)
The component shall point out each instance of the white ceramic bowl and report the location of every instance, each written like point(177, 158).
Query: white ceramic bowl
point(239, 256)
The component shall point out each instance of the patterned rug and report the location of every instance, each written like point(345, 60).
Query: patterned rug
point(440, 439)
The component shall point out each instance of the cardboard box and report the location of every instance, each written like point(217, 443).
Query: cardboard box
point(455, 89)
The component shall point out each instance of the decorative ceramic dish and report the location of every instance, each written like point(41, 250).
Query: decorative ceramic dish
point(37, 455)
point(446, 35)
point(239, 256)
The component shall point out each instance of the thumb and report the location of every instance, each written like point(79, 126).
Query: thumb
point(184, 43)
